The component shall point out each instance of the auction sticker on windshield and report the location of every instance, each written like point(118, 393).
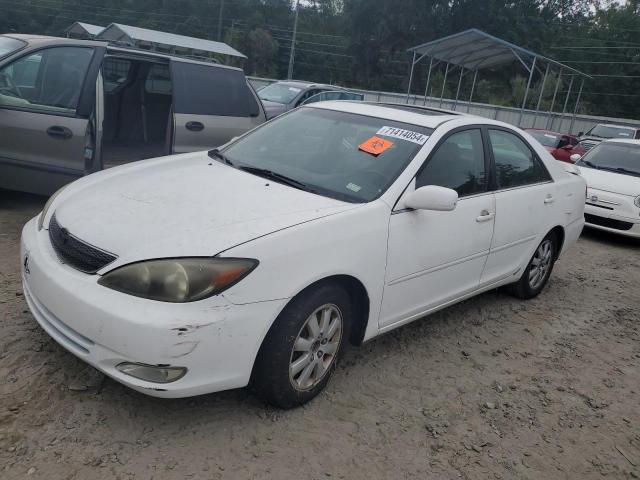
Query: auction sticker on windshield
point(402, 134)
point(375, 145)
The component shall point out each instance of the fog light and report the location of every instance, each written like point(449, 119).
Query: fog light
point(152, 373)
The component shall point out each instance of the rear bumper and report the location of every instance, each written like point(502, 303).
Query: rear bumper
point(216, 341)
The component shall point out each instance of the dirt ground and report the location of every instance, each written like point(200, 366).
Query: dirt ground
point(491, 388)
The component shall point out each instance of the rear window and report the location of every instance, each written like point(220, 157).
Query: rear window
point(210, 90)
point(10, 45)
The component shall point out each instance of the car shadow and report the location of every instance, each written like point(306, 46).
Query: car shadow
point(609, 238)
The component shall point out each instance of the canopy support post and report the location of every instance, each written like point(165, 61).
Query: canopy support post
point(444, 82)
point(413, 64)
point(575, 109)
point(473, 85)
point(544, 81)
point(455, 103)
point(426, 89)
point(526, 92)
point(553, 100)
point(566, 101)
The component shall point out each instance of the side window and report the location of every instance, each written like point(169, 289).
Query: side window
point(115, 72)
point(211, 90)
point(49, 80)
point(516, 164)
point(158, 80)
point(458, 163)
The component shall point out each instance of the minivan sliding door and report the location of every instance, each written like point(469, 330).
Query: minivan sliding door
point(212, 104)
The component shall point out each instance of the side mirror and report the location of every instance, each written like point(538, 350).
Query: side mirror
point(573, 169)
point(575, 157)
point(580, 134)
point(568, 146)
point(432, 197)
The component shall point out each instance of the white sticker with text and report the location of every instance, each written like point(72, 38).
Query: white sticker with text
point(408, 135)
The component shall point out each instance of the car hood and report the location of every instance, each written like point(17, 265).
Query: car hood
point(273, 109)
point(611, 181)
point(189, 205)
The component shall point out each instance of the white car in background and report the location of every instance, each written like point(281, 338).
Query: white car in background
point(612, 172)
point(256, 263)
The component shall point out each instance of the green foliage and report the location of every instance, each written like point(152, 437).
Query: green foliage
point(363, 43)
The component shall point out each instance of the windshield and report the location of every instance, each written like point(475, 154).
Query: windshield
point(604, 131)
point(9, 45)
point(326, 151)
point(279, 93)
point(546, 139)
point(617, 157)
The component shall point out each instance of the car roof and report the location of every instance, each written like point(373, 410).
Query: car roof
point(617, 126)
point(622, 140)
point(430, 118)
point(303, 84)
point(542, 130)
point(39, 40)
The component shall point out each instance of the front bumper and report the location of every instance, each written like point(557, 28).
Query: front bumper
point(216, 340)
point(612, 213)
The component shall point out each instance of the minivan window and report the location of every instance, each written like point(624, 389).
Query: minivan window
point(50, 80)
point(606, 131)
point(9, 45)
point(515, 162)
point(211, 90)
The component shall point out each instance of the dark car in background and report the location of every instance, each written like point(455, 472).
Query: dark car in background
point(560, 145)
point(72, 107)
point(603, 131)
point(280, 97)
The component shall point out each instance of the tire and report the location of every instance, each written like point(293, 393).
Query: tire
point(295, 349)
point(530, 285)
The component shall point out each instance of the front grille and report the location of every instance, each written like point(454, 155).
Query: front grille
point(588, 144)
point(607, 222)
point(76, 253)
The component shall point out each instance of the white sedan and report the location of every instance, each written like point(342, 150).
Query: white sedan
point(612, 172)
point(257, 262)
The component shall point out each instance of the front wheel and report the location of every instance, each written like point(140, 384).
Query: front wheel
point(537, 273)
point(302, 347)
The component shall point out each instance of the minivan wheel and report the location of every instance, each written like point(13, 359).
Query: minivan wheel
point(302, 347)
point(535, 276)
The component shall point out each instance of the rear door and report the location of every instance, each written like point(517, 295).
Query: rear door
point(47, 98)
point(211, 105)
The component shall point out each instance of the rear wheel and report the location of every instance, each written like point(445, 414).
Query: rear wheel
point(302, 348)
point(537, 273)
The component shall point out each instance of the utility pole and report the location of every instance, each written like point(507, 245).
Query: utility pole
point(220, 21)
point(293, 43)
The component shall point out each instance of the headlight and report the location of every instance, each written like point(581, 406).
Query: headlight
point(637, 201)
point(46, 207)
point(178, 279)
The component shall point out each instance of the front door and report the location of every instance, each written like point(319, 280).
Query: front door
point(436, 257)
point(46, 99)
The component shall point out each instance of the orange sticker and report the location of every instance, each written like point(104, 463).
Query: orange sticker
point(375, 145)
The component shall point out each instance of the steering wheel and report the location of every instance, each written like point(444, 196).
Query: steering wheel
point(9, 86)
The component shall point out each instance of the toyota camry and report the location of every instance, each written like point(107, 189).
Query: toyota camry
point(256, 263)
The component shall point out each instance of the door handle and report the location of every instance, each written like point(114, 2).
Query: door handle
point(195, 126)
point(56, 131)
point(485, 215)
point(549, 199)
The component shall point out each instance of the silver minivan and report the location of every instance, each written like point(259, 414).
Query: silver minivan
point(72, 107)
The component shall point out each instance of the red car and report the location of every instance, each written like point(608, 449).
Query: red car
point(560, 145)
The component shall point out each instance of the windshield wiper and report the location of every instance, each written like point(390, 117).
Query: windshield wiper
point(589, 164)
point(215, 153)
point(278, 177)
point(621, 170)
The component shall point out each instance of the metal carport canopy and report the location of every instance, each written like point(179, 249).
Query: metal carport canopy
point(474, 50)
